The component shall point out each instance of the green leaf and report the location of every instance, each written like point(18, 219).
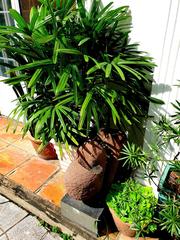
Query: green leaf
point(95, 114)
point(31, 65)
point(83, 41)
point(104, 10)
point(58, 112)
point(69, 51)
point(83, 111)
point(132, 106)
point(81, 8)
point(43, 22)
point(108, 70)
point(18, 18)
point(67, 115)
point(96, 67)
point(41, 121)
point(55, 50)
point(33, 17)
point(126, 118)
point(72, 138)
point(15, 80)
point(156, 100)
point(36, 115)
point(52, 123)
point(114, 111)
point(120, 72)
point(3, 39)
point(135, 73)
point(93, 69)
point(62, 82)
point(35, 77)
point(10, 30)
point(86, 58)
point(45, 39)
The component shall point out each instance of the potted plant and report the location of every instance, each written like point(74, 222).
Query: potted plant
point(168, 130)
point(132, 206)
point(77, 71)
point(169, 217)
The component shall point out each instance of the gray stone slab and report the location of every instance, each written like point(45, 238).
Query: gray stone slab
point(82, 214)
point(3, 199)
point(10, 214)
point(27, 229)
point(51, 236)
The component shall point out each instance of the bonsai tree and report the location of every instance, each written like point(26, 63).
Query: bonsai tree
point(77, 70)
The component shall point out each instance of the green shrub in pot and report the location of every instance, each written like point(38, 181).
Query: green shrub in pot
point(133, 204)
point(77, 70)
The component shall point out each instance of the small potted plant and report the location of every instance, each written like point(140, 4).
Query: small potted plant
point(132, 206)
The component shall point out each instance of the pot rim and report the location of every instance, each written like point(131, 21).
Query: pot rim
point(31, 138)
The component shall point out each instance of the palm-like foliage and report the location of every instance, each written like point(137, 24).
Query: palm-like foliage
point(76, 69)
point(169, 217)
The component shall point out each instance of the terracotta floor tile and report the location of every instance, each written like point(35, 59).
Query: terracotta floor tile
point(10, 136)
point(34, 173)
point(11, 157)
point(54, 190)
point(3, 144)
point(4, 121)
point(25, 144)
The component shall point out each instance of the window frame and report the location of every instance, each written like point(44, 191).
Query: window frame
point(15, 5)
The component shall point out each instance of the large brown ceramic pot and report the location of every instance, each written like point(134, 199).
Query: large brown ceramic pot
point(122, 227)
point(112, 143)
point(47, 153)
point(84, 176)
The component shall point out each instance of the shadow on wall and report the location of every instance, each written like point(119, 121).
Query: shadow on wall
point(137, 132)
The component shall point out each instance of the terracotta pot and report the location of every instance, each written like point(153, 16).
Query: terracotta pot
point(122, 227)
point(84, 176)
point(113, 143)
point(47, 153)
point(120, 236)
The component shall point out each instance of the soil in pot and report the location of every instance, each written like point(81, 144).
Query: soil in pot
point(173, 181)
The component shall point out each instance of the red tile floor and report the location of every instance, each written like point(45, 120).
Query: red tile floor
point(19, 161)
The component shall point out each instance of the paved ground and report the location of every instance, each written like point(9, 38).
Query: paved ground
point(17, 157)
point(18, 224)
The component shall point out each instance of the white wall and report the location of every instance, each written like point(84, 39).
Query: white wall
point(156, 27)
point(7, 96)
